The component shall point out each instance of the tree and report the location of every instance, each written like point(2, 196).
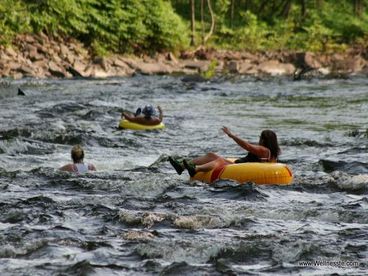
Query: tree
point(303, 9)
point(202, 22)
point(358, 7)
point(212, 21)
point(286, 8)
point(192, 22)
point(319, 4)
point(232, 13)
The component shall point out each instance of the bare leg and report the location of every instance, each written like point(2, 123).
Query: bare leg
point(212, 164)
point(209, 157)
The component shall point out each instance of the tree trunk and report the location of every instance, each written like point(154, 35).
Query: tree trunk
point(247, 5)
point(202, 22)
point(319, 4)
point(262, 6)
point(286, 9)
point(212, 21)
point(303, 11)
point(232, 13)
point(192, 22)
point(358, 7)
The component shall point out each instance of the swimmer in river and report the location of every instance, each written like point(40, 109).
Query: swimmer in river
point(78, 166)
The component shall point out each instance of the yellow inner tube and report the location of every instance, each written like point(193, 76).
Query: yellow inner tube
point(259, 173)
point(130, 125)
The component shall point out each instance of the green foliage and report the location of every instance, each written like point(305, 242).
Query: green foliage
point(165, 28)
point(136, 26)
point(250, 36)
point(13, 20)
point(326, 25)
point(211, 71)
point(109, 25)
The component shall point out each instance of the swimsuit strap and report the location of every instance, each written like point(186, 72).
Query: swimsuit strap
point(268, 158)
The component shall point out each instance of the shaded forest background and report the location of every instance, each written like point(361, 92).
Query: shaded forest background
point(148, 26)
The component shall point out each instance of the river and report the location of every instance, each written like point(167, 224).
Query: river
point(136, 216)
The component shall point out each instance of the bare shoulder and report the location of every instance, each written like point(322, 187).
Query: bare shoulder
point(67, 168)
point(91, 167)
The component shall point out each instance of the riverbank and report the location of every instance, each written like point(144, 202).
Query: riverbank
point(40, 56)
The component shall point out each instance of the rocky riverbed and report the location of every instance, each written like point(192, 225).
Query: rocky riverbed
point(41, 56)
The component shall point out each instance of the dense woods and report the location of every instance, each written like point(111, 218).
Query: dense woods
point(146, 26)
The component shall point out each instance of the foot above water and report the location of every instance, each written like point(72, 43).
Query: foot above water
point(190, 167)
point(177, 166)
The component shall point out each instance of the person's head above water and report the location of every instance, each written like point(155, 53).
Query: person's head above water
point(77, 154)
point(148, 111)
point(268, 139)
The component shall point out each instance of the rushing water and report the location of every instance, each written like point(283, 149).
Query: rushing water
point(135, 216)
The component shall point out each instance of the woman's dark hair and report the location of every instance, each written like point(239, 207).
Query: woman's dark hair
point(77, 154)
point(268, 139)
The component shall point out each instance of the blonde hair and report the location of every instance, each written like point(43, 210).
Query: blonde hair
point(77, 153)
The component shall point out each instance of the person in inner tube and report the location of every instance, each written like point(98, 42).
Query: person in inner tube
point(146, 116)
point(267, 150)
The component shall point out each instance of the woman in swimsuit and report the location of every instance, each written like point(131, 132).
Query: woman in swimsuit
point(267, 150)
point(78, 165)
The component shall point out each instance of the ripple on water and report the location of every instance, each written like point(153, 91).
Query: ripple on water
point(135, 216)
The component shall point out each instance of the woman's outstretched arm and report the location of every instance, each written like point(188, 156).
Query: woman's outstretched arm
point(260, 151)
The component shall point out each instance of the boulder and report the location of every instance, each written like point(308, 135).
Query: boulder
point(30, 48)
point(57, 60)
point(98, 72)
point(275, 68)
point(200, 66)
point(27, 71)
point(102, 62)
point(70, 58)
point(220, 67)
point(42, 48)
point(187, 55)
point(172, 58)
point(16, 75)
point(41, 64)
point(4, 57)
point(204, 54)
point(245, 67)
point(308, 60)
point(29, 39)
point(132, 63)
point(34, 56)
point(5, 72)
point(356, 64)
point(78, 69)
point(233, 66)
point(64, 51)
point(352, 64)
point(311, 60)
point(56, 71)
point(13, 65)
point(119, 63)
point(122, 68)
point(153, 68)
point(10, 52)
point(42, 38)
